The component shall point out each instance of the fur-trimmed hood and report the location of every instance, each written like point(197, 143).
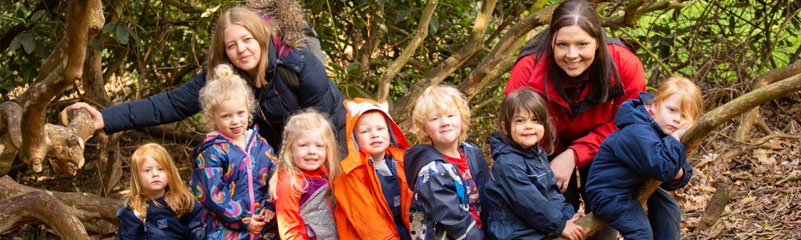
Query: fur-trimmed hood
point(286, 16)
point(355, 109)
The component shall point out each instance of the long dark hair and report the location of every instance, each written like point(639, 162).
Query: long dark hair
point(582, 14)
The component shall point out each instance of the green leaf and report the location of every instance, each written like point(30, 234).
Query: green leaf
point(209, 11)
point(35, 16)
point(353, 67)
point(317, 6)
point(136, 39)
point(15, 43)
point(434, 24)
point(108, 26)
point(28, 42)
point(122, 34)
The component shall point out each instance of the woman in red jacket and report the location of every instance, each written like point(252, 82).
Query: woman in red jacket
point(585, 79)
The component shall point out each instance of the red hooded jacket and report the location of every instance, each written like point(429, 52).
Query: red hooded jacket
point(581, 129)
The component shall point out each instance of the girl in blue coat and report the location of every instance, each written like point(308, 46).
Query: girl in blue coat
point(234, 164)
point(159, 206)
point(646, 147)
point(524, 201)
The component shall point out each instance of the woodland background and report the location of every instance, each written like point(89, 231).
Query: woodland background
point(55, 53)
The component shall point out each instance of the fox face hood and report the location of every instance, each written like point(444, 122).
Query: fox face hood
point(356, 108)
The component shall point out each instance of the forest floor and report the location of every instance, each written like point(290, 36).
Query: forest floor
point(764, 180)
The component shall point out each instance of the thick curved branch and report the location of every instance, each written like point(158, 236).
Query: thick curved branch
point(97, 213)
point(41, 207)
point(395, 66)
point(61, 69)
point(748, 119)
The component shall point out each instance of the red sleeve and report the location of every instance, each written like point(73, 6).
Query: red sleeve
point(521, 72)
point(287, 210)
point(632, 76)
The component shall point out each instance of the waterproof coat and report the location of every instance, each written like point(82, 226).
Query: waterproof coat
point(160, 223)
point(440, 205)
point(232, 184)
point(362, 210)
point(277, 101)
point(584, 127)
point(306, 215)
point(523, 200)
point(639, 151)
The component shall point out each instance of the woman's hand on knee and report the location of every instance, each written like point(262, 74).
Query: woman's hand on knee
point(563, 167)
point(97, 118)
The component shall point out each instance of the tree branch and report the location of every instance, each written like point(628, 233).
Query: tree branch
point(395, 66)
point(41, 207)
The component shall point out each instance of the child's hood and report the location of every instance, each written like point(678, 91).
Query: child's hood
point(634, 112)
point(416, 158)
point(356, 108)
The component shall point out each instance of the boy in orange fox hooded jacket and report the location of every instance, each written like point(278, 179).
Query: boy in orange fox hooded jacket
point(372, 195)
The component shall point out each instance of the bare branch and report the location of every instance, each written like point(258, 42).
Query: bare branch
point(395, 66)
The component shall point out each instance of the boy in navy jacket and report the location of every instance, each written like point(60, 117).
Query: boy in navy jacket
point(646, 146)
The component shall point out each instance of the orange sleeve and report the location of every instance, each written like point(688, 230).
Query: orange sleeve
point(287, 210)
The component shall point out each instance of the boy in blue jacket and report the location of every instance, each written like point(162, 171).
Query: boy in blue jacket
point(446, 174)
point(646, 146)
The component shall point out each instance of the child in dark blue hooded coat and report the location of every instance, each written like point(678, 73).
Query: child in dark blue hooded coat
point(524, 201)
point(646, 147)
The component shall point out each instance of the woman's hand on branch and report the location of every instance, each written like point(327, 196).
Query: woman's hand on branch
point(97, 118)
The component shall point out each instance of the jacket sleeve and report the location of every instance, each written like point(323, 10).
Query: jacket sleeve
point(676, 184)
point(356, 202)
point(441, 204)
point(194, 221)
point(215, 195)
point(131, 227)
point(521, 72)
point(528, 202)
point(643, 151)
point(269, 155)
point(632, 76)
point(287, 211)
point(315, 89)
point(161, 108)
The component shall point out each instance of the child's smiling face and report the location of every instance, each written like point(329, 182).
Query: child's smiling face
point(153, 178)
point(444, 127)
point(309, 150)
point(230, 117)
point(526, 130)
point(372, 134)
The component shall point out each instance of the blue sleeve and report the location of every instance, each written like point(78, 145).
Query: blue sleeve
point(161, 108)
point(269, 156)
point(213, 193)
point(673, 185)
point(130, 225)
point(528, 202)
point(641, 149)
point(194, 221)
point(440, 202)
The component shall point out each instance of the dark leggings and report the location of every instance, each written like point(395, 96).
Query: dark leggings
point(574, 194)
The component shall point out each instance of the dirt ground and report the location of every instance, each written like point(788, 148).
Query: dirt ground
point(764, 179)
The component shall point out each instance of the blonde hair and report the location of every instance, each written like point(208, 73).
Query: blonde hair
point(692, 104)
point(176, 193)
point(225, 85)
point(307, 120)
point(439, 98)
point(260, 31)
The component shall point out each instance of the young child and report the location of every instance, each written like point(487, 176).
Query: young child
point(446, 174)
point(308, 163)
point(372, 196)
point(523, 199)
point(159, 204)
point(646, 146)
point(233, 164)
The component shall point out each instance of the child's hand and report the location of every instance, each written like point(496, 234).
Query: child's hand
point(256, 224)
point(578, 216)
point(267, 215)
point(680, 132)
point(573, 231)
